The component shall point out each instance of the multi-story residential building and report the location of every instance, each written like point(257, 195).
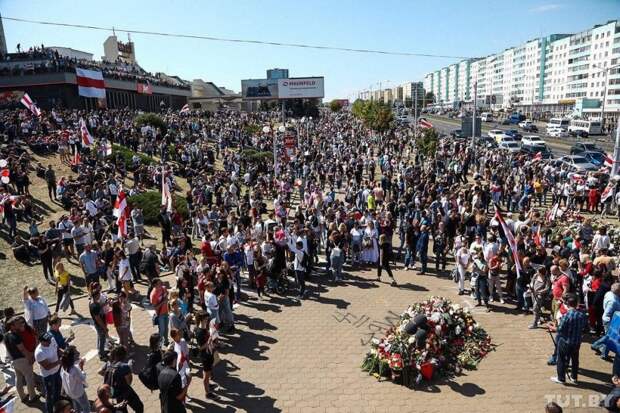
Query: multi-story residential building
point(559, 74)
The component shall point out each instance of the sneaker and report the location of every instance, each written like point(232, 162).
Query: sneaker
point(571, 380)
point(461, 292)
point(491, 299)
point(393, 284)
point(532, 326)
point(556, 380)
point(501, 300)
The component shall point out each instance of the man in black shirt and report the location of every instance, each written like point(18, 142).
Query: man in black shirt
point(171, 391)
point(98, 316)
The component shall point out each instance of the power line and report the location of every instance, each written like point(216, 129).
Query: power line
point(230, 40)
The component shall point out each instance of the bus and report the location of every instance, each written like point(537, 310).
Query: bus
point(561, 123)
point(591, 127)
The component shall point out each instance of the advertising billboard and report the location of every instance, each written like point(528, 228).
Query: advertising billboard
point(259, 89)
point(301, 88)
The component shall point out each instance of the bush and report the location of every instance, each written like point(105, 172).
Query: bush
point(335, 105)
point(151, 119)
point(427, 144)
point(252, 129)
point(127, 155)
point(150, 202)
point(375, 115)
point(254, 156)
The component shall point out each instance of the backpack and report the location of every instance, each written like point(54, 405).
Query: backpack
point(110, 378)
point(148, 377)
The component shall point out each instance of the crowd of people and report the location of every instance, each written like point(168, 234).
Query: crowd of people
point(37, 60)
point(344, 195)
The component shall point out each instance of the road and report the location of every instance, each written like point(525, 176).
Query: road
point(559, 146)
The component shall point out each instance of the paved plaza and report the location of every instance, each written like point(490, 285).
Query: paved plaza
point(305, 356)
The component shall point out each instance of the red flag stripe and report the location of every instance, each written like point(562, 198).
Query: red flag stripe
point(90, 82)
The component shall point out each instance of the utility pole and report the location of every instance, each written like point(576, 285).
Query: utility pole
point(473, 118)
point(415, 114)
point(616, 164)
point(603, 112)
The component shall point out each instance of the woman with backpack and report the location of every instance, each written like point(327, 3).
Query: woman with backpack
point(73, 379)
point(150, 372)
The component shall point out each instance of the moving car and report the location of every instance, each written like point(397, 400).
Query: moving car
point(525, 124)
point(579, 163)
point(557, 132)
point(578, 133)
point(581, 147)
point(532, 140)
point(457, 133)
point(595, 158)
point(513, 133)
point(530, 128)
point(496, 133)
point(533, 150)
point(486, 117)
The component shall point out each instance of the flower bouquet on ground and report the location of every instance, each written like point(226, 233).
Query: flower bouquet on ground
point(433, 339)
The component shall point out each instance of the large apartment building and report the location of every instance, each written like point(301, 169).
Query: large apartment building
point(553, 75)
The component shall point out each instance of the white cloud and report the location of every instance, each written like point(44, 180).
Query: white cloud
point(545, 8)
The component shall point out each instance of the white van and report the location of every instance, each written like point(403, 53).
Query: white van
point(486, 117)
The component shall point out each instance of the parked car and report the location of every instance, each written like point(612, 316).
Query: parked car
point(579, 163)
point(506, 121)
point(525, 124)
point(457, 133)
point(531, 128)
point(595, 158)
point(513, 133)
point(494, 133)
point(557, 133)
point(533, 150)
point(510, 146)
point(581, 147)
point(532, 140)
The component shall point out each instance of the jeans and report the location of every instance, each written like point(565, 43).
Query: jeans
point(601, 344)
point(482, 289)
point(520, 291)
point(301, 281)
point(101, 337)
point(134, 266)
point(162, 327)
point(440, 257)
point(48, 267)
point(410, 256)
point(567, 354)
point(237, 285)
point(336, 263)
point(52, 384)
point(423, 260)
point(81, 404)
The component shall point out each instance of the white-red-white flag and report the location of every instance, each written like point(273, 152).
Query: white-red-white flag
point(607, 192)
point(90, 83)
point(511, 240)
point(538, 156)
point(26, 101)
point(166, 197)
point(608, 161)
point(87, 138)
point(423, 123)
point(76, 158)
point(121, 212)
point(185, 108)
point(8, 407)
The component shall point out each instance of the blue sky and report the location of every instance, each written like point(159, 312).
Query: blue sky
point(445, 27)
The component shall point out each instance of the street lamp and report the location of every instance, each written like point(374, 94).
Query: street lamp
point(605, 70)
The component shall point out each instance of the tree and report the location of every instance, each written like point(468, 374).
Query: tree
point(429, 98)
point(375, 115)
point(151, 119)
point(335, 105)
point(427, 144)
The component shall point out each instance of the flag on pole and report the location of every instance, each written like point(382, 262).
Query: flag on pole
point(553, 212)
point(121, 212)
point(511, 240)
point(107, 148)
point(185, 108)
point(76, 159)
point(424, 124)
point(90, 83)
point(607, 192)
point(536, 237)
point(26, 101)
point(87, 138)
point(166, 198)
point(56, 117)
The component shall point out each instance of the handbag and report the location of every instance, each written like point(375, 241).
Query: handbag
point(155, 319)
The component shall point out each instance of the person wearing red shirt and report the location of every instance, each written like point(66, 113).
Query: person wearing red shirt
point(561, 285)
point(159, 300)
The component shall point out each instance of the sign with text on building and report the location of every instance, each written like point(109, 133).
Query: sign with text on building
point(301, 88)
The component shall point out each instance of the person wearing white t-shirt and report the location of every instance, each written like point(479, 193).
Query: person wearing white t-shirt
point(463, 259)
point(46, 355)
